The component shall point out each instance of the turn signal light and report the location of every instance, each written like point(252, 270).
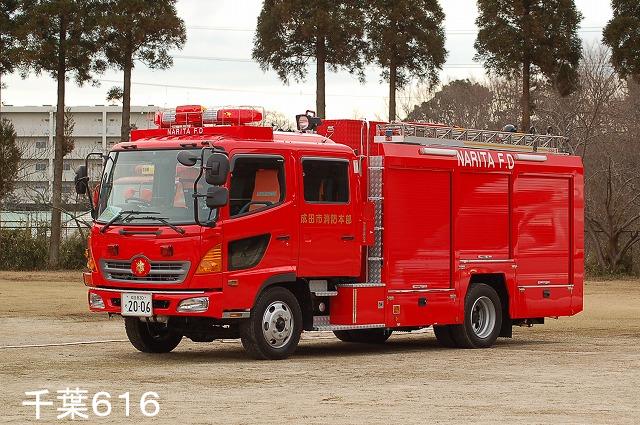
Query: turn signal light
point(212, 261)
point(91, 264)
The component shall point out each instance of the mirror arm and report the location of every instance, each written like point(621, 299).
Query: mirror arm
point(94, 208)
point(196, 195)
point(196, 213)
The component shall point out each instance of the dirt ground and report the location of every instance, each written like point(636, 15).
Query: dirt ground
point(583, 369)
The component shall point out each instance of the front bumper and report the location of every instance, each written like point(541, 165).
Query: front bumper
point(165, 303)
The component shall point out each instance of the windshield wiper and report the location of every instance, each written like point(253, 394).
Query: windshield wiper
point(162, 220)
point(126, 214)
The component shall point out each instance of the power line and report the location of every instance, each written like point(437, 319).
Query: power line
point(246, 60)
point(239, 90)
point(465, 31)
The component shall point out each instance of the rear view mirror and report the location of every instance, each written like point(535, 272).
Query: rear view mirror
point(217, 170)
point(217, 197)
point(81, 180)
point(188, 158)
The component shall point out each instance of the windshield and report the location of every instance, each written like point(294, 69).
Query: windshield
point(154, 185)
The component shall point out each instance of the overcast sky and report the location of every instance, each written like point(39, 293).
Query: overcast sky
point(215, 66)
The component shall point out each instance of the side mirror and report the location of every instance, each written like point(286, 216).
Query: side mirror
point(217, 197)
point(188, 158)
point(217, 170)
point(81, 180)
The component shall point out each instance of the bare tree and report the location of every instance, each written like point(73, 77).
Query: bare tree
point(460, 103)
point(601, 120)
point(278, 121)
point(613, 205)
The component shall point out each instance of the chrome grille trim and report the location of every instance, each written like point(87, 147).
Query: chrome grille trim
point(169, 272)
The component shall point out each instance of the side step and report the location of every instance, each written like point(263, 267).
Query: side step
point(319, 288)
point(325, 293)
point(321, 323)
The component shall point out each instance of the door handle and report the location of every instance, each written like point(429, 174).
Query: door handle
point(283, 237)
point(348, 237)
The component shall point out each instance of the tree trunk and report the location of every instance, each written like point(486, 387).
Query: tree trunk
point(56, 196)
point(321, 54)
point(393, 77)
point(125, 129)
point(525, 101)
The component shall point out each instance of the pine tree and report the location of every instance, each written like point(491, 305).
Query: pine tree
point(10, 54)
point(290, 33)
point(530, 38)
point(143, 31)
point(406, 39)
point(60, 38)
point(622, 35)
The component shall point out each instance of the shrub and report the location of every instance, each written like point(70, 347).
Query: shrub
point(20, 250)
point(72, 252)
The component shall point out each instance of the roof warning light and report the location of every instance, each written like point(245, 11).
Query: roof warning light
point(197, 116)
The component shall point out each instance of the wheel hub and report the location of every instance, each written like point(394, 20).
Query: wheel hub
point(277, 324)
point(483, 317)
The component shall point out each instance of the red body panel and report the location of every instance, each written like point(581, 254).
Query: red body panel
point(448, 220)
point(358, 306)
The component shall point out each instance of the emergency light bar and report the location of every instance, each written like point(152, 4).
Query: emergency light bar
point(198, 115)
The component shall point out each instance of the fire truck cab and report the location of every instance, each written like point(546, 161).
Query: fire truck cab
point(211, 227)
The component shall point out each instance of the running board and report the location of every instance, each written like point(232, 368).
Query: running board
point(325, 293)
point(321, 323)
point(360, 285)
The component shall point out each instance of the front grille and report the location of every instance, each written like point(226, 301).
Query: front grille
point(161, 271)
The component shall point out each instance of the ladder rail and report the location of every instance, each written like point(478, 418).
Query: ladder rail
point(375, 257)
point(547, 142)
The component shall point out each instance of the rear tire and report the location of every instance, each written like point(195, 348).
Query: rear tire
point(364, 336)
point(150, 337)
point(273, 330)
point(482, 318)
point(444, 336)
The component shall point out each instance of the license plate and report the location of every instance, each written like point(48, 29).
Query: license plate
point(136, 304)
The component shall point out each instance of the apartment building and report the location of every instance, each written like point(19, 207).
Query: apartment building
point(96, 129)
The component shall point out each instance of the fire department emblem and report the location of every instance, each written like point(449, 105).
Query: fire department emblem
point(140, 266)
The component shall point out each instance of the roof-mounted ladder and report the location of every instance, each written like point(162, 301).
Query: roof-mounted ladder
point(435, 134)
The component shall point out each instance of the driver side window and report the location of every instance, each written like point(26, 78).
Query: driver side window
point(257, 183)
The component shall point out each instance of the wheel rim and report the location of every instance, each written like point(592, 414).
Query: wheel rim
point(483, 317)
point(277, 324)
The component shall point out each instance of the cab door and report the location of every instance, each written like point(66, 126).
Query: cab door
point(329, 243)
point(259, 228)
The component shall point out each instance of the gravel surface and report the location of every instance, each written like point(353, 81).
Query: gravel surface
point(583, 369)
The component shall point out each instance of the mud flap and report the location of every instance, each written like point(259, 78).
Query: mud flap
point(506, 331)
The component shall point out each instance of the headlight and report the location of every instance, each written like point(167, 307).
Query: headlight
point(95, 300)
point(194, 305)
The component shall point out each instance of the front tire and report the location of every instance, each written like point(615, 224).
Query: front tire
point(150, 337)
point(273, 330)
point(482, 318)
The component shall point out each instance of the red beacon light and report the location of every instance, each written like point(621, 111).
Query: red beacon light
point(197, 115)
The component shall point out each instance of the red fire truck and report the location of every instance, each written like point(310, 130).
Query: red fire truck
point(211, 226)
